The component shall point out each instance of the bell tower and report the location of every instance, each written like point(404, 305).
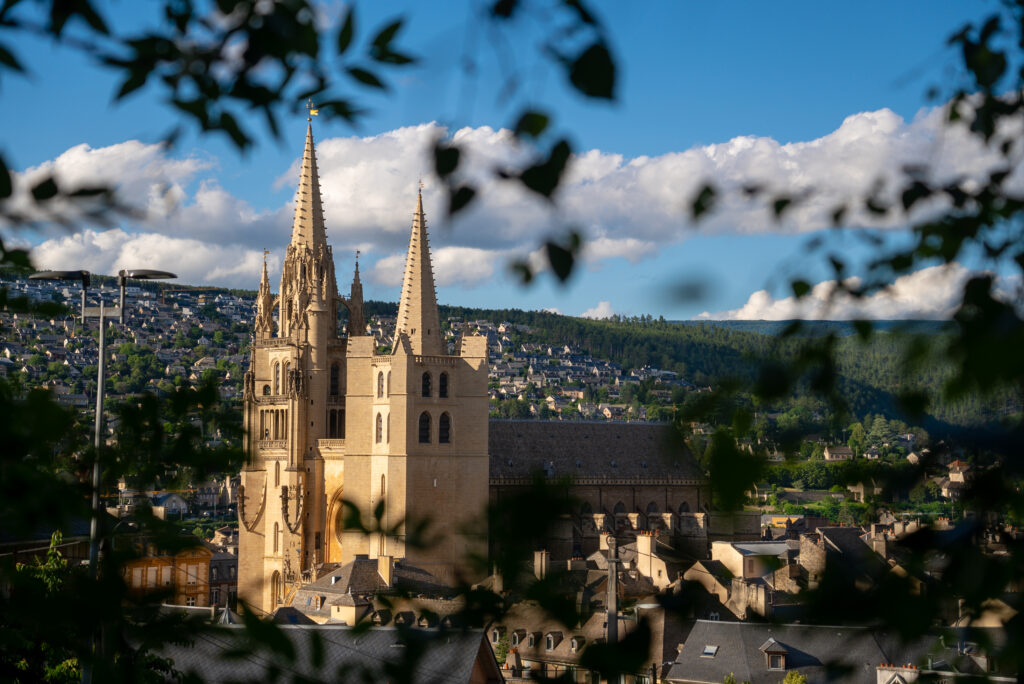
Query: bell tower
point(417, 426)
point(293, 409)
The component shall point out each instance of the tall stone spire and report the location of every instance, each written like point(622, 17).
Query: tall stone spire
point(308, 225)
point(418, 317)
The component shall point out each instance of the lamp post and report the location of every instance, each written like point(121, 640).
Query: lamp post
point(102, 313)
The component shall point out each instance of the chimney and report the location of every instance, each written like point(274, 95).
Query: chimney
point(613, 593)
point(576, 563)
point(386, 569)
point(540, 563)
point(603, 541)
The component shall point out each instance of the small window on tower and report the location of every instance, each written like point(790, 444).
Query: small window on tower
point(424, 428)
point(335, 379)
point(380, 385)
point(442, 386)
point(380, 429)
point(444, 429)
point(426, 384)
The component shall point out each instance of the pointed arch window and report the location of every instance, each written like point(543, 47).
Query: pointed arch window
point(380, 385)
point(266, 390)
point(277, 378)
point(335, 379)
point(277, 533)
point(442, 386)
point(444, 429)
point(380, 429)
point(424, 428)
point(389, 384)
point(426, 384)
point(277, 473)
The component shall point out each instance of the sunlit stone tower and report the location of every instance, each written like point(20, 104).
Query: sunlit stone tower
point(329, 418)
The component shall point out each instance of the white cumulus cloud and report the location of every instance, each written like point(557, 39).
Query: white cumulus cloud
point(932, 293)
point(602, 310)
point(626, 207)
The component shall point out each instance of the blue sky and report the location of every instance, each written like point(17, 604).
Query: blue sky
point(770, 78)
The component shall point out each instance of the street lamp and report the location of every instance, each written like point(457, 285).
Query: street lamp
point(102, 313)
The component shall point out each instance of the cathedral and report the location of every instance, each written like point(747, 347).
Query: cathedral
point(350, 448)
point(335, 428)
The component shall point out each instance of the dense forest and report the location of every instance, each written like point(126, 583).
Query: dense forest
point(872, 371)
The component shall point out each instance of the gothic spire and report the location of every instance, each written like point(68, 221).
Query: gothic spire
point(264, 304)
point(308, 225)
point(418, 317)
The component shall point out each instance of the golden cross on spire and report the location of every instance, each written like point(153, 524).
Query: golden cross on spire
point(311, 110)
point(265, 253)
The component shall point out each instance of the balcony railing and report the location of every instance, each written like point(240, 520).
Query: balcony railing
point(272, 444)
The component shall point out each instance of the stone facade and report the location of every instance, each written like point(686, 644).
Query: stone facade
point(330, 419)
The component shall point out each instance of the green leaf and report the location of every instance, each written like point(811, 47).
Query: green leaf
point(45, 190)
point(366, 77)
point(348, 30)
point(531, 123)
point(384, 37)
point(801, 288)
point(523, 270)
point(136, 79)
point(504, 9)
point(593, 72)
point(582, 12)
point(561, 260)
point(703, 202)
point(780, 205)
point(543, 178)
point(864, 329)
point(9, 59)
point(6, 187)
point(230, 126)
point(446, 159)
point(459, 198)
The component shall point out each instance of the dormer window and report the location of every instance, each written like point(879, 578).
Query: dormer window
point(531, 640)
point(576, 644)
point(517, 636)
point(551, 640)
point(775, 654)
point(496, 634)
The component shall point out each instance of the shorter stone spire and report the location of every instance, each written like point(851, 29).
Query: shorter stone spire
point(264, 305)
point(356, 320)
point(418, 316)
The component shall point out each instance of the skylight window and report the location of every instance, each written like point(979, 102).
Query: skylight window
point(710, 650)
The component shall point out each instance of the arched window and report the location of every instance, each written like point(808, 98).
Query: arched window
point(444, 428)
point(275, 588)
point(341, 423)
point(380, 429)
point(652, 508)
point(277, 473)
point(442, 386)
point(425, 428)
point(382, 487)
point(684, 508)
point(277, 378)
point(380, 385)
point(389, 383)
point(213, 574)
point(426, 384)
point(335, 379)
point(620, 508)
point(276, 535)
point(266, 390)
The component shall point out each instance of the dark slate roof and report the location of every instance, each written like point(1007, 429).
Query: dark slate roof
point(449, 656)
point(520, 448)
point(818, 652)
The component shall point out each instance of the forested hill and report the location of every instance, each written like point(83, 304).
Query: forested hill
point(870, 374)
